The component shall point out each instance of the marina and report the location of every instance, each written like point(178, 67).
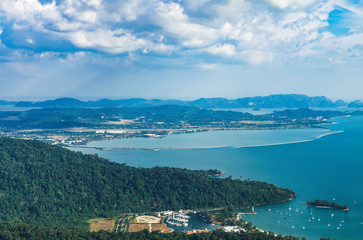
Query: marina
point(179, 220)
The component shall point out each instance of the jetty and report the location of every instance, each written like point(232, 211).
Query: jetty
point(247, 213)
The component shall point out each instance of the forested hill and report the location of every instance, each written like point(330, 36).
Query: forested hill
point(160, 117)
point(271, 101)
point(36, 232)
point(45, 184)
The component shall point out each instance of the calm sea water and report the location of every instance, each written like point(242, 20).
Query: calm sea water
point(327, 168)
point(216, 139)
point(13, 108)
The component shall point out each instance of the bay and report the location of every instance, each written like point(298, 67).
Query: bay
point(327, 168)
point(216, 139)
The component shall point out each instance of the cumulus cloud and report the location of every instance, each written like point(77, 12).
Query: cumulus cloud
point(174, 21)
point(118, 41)
point(293, 4)
point(247, 30)
point(225, 49)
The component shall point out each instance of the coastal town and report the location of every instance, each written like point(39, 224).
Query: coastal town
point(167, 221)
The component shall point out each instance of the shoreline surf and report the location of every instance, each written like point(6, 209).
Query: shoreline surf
point(210, 147)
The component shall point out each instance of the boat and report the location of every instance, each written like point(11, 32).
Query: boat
point(178, 220)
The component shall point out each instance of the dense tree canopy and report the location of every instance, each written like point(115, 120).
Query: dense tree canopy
point(40, 183)
point(36, 232)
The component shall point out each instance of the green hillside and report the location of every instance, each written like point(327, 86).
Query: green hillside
point(36, 232)
point(49, 185)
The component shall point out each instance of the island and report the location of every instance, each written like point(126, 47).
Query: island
point(325, 204)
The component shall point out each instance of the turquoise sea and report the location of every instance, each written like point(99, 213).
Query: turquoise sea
point(329, 167)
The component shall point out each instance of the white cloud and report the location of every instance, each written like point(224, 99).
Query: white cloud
point(29, 13)
point(176, 23)
point(293, 4)
point(118, 41)
point(29, 40)
point(222, 49)
point(258, 31)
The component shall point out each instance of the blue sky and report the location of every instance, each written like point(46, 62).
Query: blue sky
point(183, 49)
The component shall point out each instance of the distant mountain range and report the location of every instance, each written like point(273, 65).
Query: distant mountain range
point(356, 104)
point(271, 101)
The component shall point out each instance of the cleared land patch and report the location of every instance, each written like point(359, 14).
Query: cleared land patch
point(98, 224)
point(150, 227)
point(149, 223)
point(148, 219)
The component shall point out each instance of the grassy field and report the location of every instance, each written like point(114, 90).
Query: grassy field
point(150, 227)
point(98, 224)
point(150, 223)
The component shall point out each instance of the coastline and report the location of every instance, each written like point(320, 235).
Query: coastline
point(211, 147)
point(162, 133)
